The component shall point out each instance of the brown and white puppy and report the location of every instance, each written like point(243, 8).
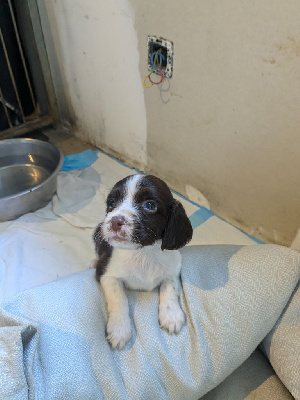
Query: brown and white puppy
point(136, 246)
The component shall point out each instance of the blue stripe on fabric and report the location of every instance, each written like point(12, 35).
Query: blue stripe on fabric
point(245, 233)
point(203, 214)
point(86, 159)
point(200, 216)
point(80, 160)
point(258, 241)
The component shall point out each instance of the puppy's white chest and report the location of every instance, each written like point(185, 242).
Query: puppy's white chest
point(144, 269)
point(143, 275)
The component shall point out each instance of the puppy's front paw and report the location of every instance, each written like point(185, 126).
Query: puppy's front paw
point(118, 331)
point(171, 317)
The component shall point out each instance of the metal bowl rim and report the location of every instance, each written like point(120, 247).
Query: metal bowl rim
point(55, 172)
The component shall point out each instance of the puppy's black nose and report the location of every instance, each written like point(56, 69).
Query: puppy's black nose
point(117, 222)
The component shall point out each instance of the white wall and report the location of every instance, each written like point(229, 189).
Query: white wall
point(230, 132)
point(98, 53)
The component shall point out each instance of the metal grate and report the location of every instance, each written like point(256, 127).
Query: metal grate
point(19, 112)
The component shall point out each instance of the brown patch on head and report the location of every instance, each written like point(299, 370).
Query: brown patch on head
point(117, 194)
point(152, 188)
point(151, 200)
point(161, 217)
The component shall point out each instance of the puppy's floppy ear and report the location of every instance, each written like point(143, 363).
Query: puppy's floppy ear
point(178, 230)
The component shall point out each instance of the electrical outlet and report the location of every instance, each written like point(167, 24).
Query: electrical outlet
point(165, 47)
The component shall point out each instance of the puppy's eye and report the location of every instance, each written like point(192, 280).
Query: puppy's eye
point(150, 205)
point(110, 204)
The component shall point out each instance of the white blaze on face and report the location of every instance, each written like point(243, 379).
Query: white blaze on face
point(125, 209)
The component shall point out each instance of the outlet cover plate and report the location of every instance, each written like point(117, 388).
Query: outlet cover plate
point(167, 48)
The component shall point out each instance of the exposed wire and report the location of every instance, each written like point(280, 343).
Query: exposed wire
point(161, 78)
point(144, 81)
point(156, 60)
point(162, 90)
point(157, 55)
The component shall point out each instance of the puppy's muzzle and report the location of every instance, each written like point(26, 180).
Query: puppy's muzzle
point(117, 222)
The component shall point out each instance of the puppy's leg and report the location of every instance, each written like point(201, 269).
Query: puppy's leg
point(118, 324)
point(171, 316)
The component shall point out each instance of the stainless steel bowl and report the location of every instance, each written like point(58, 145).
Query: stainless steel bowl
point(28, 175)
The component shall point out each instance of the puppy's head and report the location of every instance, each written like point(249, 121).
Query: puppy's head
point(140, 211)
